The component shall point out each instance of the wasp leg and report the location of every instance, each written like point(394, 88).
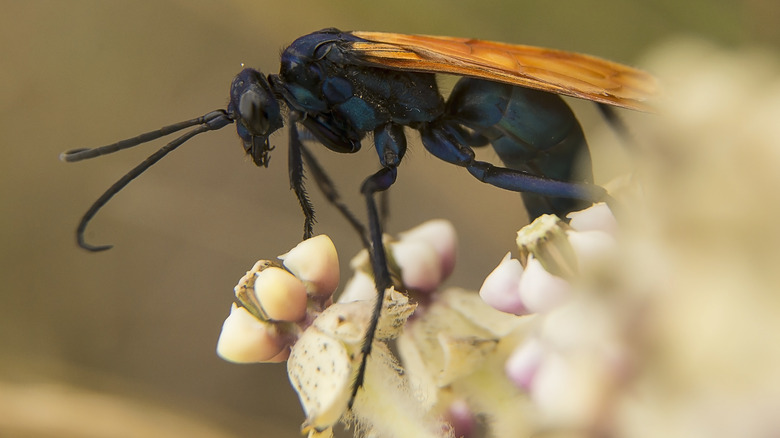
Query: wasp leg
point(384, 208)
point(328, 189)
point(378, 182)
point(295, 166)
point(390, 142)
point(443, 141)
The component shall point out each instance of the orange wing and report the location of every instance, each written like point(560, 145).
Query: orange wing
point(555, 71)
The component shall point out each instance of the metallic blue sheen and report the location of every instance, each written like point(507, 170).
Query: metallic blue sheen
point(340, 97)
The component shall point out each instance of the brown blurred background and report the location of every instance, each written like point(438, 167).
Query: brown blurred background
point(135, 327)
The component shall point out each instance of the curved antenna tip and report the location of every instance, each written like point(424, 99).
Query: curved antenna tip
point(92, 248)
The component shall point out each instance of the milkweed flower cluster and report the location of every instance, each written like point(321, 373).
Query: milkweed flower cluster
point(286, 312)
point(276, 301)
point(456, 351)
point(576, 354)
point(421, 259)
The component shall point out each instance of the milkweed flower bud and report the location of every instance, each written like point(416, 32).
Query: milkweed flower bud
point(523, 363)
point(501, 288)
point(540, 291)
point(592, 248)
point(461, 417)
point(425, 254)
point(360, 287)
point(545, 238)
point(595, 218)
point(419, 263)
point(245, 339)
point(282, 297)
point(440, 234)
point(570, 390)
point(315, 262)
point(422, 257)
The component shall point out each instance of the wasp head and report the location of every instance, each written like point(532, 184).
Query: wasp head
point(256, 112)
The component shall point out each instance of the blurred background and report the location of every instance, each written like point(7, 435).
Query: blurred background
point(121, 343)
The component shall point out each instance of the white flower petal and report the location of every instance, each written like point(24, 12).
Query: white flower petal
point(419, 263)
point(320, 370)
point(569, 391)
point(523, 363)
point(541, 291)
point(591, 247)
point(501, 287)
point(281, 295)
point(441, 235)
point(245, 339)
point(360, 287)
point(315, 262)
point(596, 218)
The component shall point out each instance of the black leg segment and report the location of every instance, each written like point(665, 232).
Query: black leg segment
point(380, 181)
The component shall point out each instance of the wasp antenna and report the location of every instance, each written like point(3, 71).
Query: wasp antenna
point(86, 153)
point(210, 122)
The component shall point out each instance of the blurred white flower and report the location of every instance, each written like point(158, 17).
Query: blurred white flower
point(573, 359)
point(596, 218)
point(453, 354)
point(522, 365)
point(501, 288)
point(593, 248)
point(541, 291)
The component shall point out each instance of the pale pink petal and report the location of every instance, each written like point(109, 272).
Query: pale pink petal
point(541, 291)
point(523, 363)
point(419, 263)
point(441, 235)
point(500, 288)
